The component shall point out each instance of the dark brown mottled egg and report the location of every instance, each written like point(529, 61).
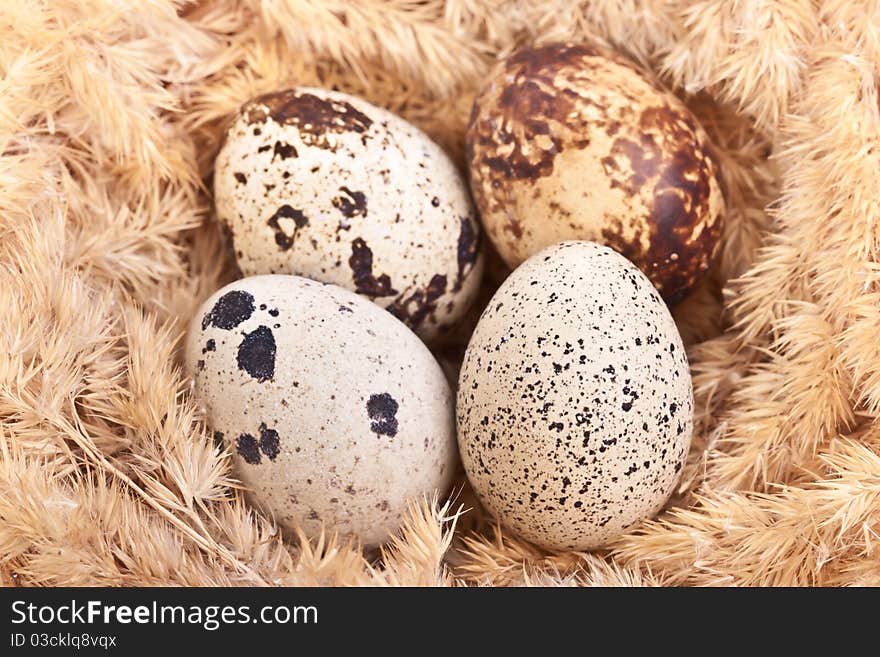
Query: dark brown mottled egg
point(573, 142)
point(325, 185)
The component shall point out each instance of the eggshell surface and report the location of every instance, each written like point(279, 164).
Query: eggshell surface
point(575, 405)
point(325, 185)
point(571, 142)
point(335, 412)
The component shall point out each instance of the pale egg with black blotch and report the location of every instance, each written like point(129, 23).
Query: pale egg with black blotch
point(335, 413)
point(575, 403)
point(325, 185)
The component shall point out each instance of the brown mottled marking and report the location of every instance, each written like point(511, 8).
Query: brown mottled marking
point(284, 240)
point(567, 141)
point(283, 150)
point(469, 239)
point(348, 188)
point(351, 203)
point(682, 244)
point(361, 263)
point(644, 157)
point(681, 205)
point(314, 117)
point(414, 308)
point(530, 106)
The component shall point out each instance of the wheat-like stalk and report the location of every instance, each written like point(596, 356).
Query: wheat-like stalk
point(111, 114)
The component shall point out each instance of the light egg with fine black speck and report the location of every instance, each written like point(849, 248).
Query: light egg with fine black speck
point(575, 403)
point(335, 413)
point(568, 141)
point(325, 185)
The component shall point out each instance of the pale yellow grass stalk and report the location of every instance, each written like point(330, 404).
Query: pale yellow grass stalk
point(110, 117)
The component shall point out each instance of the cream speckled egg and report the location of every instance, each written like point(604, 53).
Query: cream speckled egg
point(325, 185)
point(335, 412)
point(572, 142)
point(575, 405)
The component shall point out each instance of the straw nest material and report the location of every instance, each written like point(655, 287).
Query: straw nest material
point(110, 117)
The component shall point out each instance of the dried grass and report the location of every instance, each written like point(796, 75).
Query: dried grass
point(110, 116)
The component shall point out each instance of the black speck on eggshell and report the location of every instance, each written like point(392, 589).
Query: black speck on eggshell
point(229, 311)
point(382, 411)
point(567, 396)
point(248, 448)
point(256, 353)
point(270, 443)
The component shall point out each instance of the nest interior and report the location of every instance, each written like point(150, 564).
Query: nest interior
point(110, 116)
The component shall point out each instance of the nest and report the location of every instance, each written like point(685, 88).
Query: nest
point(110, 116)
